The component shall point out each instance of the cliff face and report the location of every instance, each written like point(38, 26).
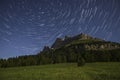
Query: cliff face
point(46, 48)
point(106, 46)
point(58, 43)
point(67, 40)
point(89, 42)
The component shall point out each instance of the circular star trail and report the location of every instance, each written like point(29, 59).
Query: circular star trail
point(26, 26)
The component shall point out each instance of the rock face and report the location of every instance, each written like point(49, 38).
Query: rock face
point(58, 43)
point(83, 36)
point(89, 42)
point(106, 46)
point(46, 48)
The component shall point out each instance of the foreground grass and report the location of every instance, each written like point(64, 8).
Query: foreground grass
point(91, 71)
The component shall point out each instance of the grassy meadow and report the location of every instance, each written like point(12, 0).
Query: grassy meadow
point(64, 71)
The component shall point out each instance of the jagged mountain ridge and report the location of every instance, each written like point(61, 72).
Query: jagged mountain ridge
point(89, 42)
point(67, 40)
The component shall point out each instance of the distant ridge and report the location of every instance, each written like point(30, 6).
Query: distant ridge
point(88, 41)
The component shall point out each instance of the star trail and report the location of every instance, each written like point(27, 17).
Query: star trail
point(26, 26)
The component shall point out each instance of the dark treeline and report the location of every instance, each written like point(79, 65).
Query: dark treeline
point(63, 55)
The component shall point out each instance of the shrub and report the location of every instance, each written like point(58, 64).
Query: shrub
point(81, 61)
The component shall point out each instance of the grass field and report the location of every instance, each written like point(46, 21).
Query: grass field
point(69, 71)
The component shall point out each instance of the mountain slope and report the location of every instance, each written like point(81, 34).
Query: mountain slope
point(89, 42)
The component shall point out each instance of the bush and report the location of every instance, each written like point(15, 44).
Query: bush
point(81, 61)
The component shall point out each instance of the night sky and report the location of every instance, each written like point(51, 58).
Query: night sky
point(26, 26)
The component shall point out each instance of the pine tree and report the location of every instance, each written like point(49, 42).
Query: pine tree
point(81, 61)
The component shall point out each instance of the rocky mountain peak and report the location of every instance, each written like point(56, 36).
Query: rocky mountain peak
point(84, 36)
point(46, 48)
point(58, 42)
